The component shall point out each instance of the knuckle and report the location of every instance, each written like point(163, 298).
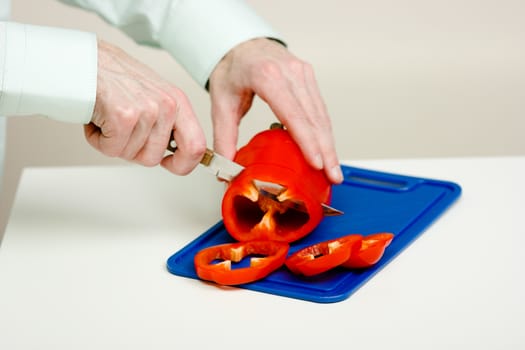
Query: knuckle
point(147, 112)
point(299, 67)
point(125, 117)
point(150, 109)
point(196, 149)
point(169, 104)
point(179, 98)
point(175, 102)
point(269, 70)
point(146, 109)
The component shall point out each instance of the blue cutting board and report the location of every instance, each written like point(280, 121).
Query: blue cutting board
point(373, 202)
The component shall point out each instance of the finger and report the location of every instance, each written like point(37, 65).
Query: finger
point(226, 114)
point(331, 163)
point(190, 140)
point(134, 149)
point(284, 102)
point(188, 155)
point(110, 139)
point(157, 139)
point(332, 167)
point(154, 147)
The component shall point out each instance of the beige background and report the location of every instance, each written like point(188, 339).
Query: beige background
point(406, 78)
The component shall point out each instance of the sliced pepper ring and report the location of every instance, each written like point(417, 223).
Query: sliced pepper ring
point(371, 250)
point(268, 256)
point(323, 256)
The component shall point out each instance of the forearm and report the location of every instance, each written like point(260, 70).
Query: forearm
point(47, 71)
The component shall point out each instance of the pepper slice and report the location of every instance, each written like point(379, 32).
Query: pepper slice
point(323, 256)
point(273, 156)
point(268, 256)
point(371, 250)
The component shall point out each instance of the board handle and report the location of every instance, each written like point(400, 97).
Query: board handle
point(383, 181)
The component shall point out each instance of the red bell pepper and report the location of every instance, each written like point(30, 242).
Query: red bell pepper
point(214, 263)
point(371, 250)
point(273, 156)
point(323, 256)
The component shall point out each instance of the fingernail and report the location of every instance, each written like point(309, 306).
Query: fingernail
point(318, 162)
point(336, 174)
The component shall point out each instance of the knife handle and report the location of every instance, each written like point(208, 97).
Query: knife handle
point(206, 158)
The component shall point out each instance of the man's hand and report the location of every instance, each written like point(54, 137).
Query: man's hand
point(266, 68)
point(136, 111)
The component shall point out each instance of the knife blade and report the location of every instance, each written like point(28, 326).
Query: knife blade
point(273, 190)
point(220, 166)
point(226, 169)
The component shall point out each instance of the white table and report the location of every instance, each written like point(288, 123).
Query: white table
point(82, 266)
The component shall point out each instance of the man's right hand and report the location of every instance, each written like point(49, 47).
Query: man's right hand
point(136, 111)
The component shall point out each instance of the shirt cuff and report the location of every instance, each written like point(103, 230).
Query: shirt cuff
point(47, 71)
point(198, 33)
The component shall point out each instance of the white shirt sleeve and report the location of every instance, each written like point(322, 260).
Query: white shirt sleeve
point(53, 71)
point(47, 71)
point(197, 33)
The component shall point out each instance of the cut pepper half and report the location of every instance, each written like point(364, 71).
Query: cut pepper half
point(371, 250)
point(323, 256)
point(273, 156)
point(215, 263)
